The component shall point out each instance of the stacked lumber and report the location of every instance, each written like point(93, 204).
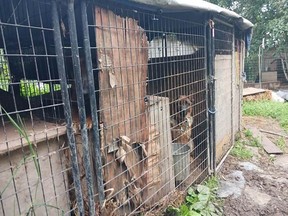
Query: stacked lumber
point(254, 94)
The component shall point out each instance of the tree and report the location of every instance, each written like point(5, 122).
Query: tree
point(270, 18)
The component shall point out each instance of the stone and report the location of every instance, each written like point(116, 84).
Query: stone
point(232, 186)
point(250, 166)
point(282, 161)
point(258, 197)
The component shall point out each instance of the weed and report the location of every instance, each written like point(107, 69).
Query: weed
point(250, 139)
point(201, 200)
point(275, 110)
point(248, 133)
point(240, 151)
point(272, 158)
point(19, 126)
point(281, 143)
point(212, 183)
point(254, 142)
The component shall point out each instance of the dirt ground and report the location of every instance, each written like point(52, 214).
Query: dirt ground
point(265, 191)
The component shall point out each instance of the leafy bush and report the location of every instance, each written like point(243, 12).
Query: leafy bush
point(200, 201)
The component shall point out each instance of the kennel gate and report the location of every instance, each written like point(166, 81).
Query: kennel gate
point(103, 137)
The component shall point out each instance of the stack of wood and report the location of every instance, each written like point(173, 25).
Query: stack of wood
point(255, 94)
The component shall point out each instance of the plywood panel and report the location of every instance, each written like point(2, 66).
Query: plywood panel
point(223, 101)
point(122, 55)
point(160, 175)
point(50, 190)
point(39, 131)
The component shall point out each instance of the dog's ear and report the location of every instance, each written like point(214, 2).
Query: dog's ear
point(187, 99)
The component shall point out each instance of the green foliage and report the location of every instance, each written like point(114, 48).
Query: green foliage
point(240, 151)
point(270, 18)
point(254, 142)
point(200, 201)
point(19, 126)
point(248, 133)
point(4, 72)
point(31, 88)
point(275, 110)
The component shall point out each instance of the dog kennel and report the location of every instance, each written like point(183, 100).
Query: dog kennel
point(109, 107)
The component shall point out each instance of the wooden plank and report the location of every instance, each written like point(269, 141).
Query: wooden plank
point(273, 133)
point(269, 76)
point(267, 144)
point(251, 91)
point(122, 55)
point(37, 132)
point(159, 148)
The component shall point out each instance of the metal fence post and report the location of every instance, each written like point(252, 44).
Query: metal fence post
point(80, 103)
point(93, 104)
point(67, 109)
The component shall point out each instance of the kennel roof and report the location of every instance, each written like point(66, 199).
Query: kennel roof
point(199, 5)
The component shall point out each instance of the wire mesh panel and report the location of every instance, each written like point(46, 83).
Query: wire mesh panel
point(223, 89)
point(103, 108)
point(33, 147)
point(151, 92)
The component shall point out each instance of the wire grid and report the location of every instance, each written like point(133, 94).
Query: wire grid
point(270, 61)
point(31, 66)
point(225, 101)
point(152, 72)
point(33, 165)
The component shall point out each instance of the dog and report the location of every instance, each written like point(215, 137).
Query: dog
point(182, 121)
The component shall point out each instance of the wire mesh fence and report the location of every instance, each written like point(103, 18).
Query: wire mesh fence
point(104, 106)
point(272, 64)
point(33, 170)
point(224, 86)
point(153, 104)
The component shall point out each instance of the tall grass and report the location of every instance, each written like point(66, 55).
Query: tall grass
point(20, 127)
point(275, 110)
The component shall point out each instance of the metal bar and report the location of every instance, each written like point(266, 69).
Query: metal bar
point(211, 72)
point(222, 22)
point(67, 109)
point(24, 26)
point(207, 95)
point(233, 75)
point(259, 67)
point(213, 97)
point(218, 168)
point(80, 103)
point(93, 104)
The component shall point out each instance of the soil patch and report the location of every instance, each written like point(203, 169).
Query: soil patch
point(266, 189)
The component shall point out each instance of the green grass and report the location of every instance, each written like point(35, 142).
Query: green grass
point(248, 133)
point(240, 151)
point(275, 110)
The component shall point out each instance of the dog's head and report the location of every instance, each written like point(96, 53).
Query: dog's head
point(184, 107)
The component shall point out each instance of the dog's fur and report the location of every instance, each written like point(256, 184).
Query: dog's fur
point(182, 121)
